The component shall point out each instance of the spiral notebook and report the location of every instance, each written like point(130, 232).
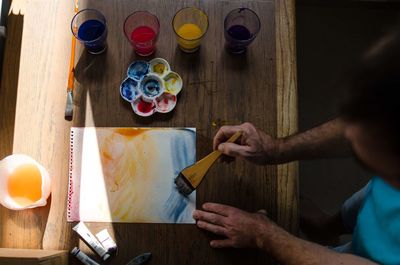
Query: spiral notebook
point(126, 175)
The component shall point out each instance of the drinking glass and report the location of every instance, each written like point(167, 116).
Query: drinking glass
point(89, 26)
point(241, 27)
point(141, 28)
point(190, 25)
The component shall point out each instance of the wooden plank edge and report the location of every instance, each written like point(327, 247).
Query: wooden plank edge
point(287, 117)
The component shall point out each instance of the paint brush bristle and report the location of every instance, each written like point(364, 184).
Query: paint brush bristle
point(69, 106)
point(183, 185)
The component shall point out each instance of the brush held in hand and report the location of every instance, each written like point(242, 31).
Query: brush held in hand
point(190, 177)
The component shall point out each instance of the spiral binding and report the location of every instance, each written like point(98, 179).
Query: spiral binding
point(70, 180)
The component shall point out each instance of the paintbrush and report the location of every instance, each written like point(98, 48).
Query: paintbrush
point(69, 106)
point(190, 177)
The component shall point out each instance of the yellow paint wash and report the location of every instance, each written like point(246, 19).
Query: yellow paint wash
point(25, 184)
point(190, 35)
point(128, 156)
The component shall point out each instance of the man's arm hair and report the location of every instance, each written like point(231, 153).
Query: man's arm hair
point(325, 141)
point(290, 250)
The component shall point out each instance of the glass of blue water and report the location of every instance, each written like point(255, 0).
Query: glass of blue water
point(89, 26)
point(241, 27)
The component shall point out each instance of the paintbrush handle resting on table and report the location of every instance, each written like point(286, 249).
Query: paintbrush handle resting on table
point(71, 76)
point(69, 106)
point(194, 174)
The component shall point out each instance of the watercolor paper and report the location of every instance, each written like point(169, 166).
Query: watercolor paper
point(126, 175)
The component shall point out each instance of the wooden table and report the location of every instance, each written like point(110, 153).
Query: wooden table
point(258, 86)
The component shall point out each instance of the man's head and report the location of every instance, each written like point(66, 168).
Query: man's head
point(372, 111)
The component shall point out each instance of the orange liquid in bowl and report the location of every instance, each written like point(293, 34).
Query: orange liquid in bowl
point(25, 184)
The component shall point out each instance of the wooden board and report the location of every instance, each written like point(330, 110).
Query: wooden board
point(213, 80)
point(217, 86)
point(34, 124)
point(12, 256)
point(286, 91)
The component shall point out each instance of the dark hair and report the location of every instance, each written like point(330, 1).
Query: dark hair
point(374, 90)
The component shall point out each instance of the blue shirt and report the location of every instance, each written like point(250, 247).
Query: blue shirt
point(377, 233)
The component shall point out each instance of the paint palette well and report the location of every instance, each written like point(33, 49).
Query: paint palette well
point(151, 87)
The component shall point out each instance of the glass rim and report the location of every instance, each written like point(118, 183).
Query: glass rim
point(254, 13)
point(139, 11)
point(198, 9)
point(91, 10)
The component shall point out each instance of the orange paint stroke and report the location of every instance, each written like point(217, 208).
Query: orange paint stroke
point(130, 132)
point(25, 184)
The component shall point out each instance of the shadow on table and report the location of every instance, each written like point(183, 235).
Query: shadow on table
point(27, 219)
point(9, 83)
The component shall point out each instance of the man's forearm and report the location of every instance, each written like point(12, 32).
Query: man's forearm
point(324, 141)
point(290, 250)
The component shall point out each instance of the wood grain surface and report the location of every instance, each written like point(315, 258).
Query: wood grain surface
point(13, 256)
point(219, 88)
point(34, 124)
point(8, 99)
point(286, 91)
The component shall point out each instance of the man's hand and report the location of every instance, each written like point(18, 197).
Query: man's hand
point(254, 230)
point(241, 229)
point(254, 145)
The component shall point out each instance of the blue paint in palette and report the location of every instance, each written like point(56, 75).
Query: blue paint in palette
point(151, 88)
point(93, 33)
point(129, 89)
point(138, 70)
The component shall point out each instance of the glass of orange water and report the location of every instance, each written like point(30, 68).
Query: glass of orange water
point(24, 183)
point(190, 25)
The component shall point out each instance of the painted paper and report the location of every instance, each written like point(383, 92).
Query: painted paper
point(126, 175)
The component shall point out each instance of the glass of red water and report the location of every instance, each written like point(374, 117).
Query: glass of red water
point(141, 29)
point(241, 27)
point(89, 26)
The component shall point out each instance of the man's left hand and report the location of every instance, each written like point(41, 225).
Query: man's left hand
point(241, 229)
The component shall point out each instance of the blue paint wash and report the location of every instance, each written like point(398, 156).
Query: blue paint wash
point(138, 69)
point(93, 34)
point(129, 89)
point(175, 206)
point(183, 152)
point(151, 88)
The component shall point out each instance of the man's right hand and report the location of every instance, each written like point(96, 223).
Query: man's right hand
point(254, 145)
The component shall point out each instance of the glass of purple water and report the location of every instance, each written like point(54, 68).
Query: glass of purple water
point(89, 26)
point(241, 27)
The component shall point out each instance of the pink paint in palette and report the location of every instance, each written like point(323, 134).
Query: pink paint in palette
point(166, 102)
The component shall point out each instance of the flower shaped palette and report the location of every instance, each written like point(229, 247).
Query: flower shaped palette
point(151, 87)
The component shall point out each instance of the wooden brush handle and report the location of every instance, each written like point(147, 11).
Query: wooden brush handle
point(195, 173)
point(71, 76)
point(213, 156)
point(234, 137)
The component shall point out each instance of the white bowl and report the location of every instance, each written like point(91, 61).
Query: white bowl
point(7, 166)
